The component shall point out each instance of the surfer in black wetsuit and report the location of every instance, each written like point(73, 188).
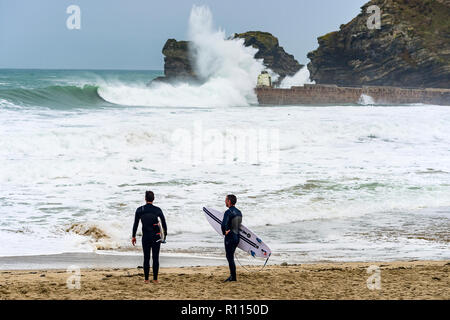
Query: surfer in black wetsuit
point(151, 233)
point(231, 223)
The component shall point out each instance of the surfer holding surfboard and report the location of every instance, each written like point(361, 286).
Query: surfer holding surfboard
point(154, 231)
point(231, 224)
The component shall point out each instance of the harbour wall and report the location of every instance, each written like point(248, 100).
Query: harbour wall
point(311, 94)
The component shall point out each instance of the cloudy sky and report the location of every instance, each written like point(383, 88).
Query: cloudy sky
point(119, 34)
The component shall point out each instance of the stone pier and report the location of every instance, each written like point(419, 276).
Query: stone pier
point(334, 95)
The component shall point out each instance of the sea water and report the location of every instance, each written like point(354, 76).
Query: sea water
point(78, 150)
point(352, 182)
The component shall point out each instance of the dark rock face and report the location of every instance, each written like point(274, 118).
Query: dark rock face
point(177, 62)
point(274, 57)
point(178, 57)
point(412, 48)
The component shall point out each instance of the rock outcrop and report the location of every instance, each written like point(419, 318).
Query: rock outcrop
point(274, 57)
point(178, 64)
point(412, 48)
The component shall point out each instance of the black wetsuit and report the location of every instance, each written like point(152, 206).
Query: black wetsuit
point(232, 220)
point(151, 237)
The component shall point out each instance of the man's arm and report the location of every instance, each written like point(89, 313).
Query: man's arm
point(226, 217)
point(136, 223)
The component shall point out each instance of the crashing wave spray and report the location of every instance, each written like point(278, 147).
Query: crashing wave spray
point(228, 69)
point(301, 78)
point(366, 100)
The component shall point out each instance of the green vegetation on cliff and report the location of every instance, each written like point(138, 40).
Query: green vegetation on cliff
point(274, 57)
point(412, 48)
point(262, 40)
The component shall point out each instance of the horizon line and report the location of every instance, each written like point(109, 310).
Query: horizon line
point(80, 69)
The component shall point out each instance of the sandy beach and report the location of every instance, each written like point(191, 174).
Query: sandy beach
point(399, 280)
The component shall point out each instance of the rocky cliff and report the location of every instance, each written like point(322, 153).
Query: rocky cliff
point(177, 62)
point(274, 57)
point(178, 57)
point(412, 48)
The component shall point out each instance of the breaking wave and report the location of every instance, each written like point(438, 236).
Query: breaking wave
point(227, 68)
point(98, 238)
point(53, 97)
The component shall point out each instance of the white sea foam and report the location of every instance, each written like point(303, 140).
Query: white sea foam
point(366, 100)
point(8, 105)
point(92, 167)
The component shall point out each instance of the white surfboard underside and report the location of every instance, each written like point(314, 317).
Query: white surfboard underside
point(249, 241)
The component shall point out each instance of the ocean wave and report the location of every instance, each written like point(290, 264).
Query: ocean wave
point(98, 238)
point(54, 97)
point(87, 230)
point(226, 66)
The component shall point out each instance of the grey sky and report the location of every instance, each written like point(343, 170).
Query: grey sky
point(119, 34)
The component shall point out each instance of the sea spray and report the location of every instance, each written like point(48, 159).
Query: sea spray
point(219, 58)
point(227, 68)
point(301, 78)
point(366, 100)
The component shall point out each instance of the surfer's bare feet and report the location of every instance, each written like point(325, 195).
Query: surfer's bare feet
point(155, 281)
point(146, 281)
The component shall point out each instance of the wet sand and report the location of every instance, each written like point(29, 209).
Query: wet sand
point(399, 280)
point(95, 260)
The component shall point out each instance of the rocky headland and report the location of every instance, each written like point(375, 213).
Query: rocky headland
point(412, 48)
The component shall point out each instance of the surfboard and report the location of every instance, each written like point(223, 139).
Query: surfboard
point(161, 232)
point(249, 241)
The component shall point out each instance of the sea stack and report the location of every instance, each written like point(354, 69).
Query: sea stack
point(177, 62)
